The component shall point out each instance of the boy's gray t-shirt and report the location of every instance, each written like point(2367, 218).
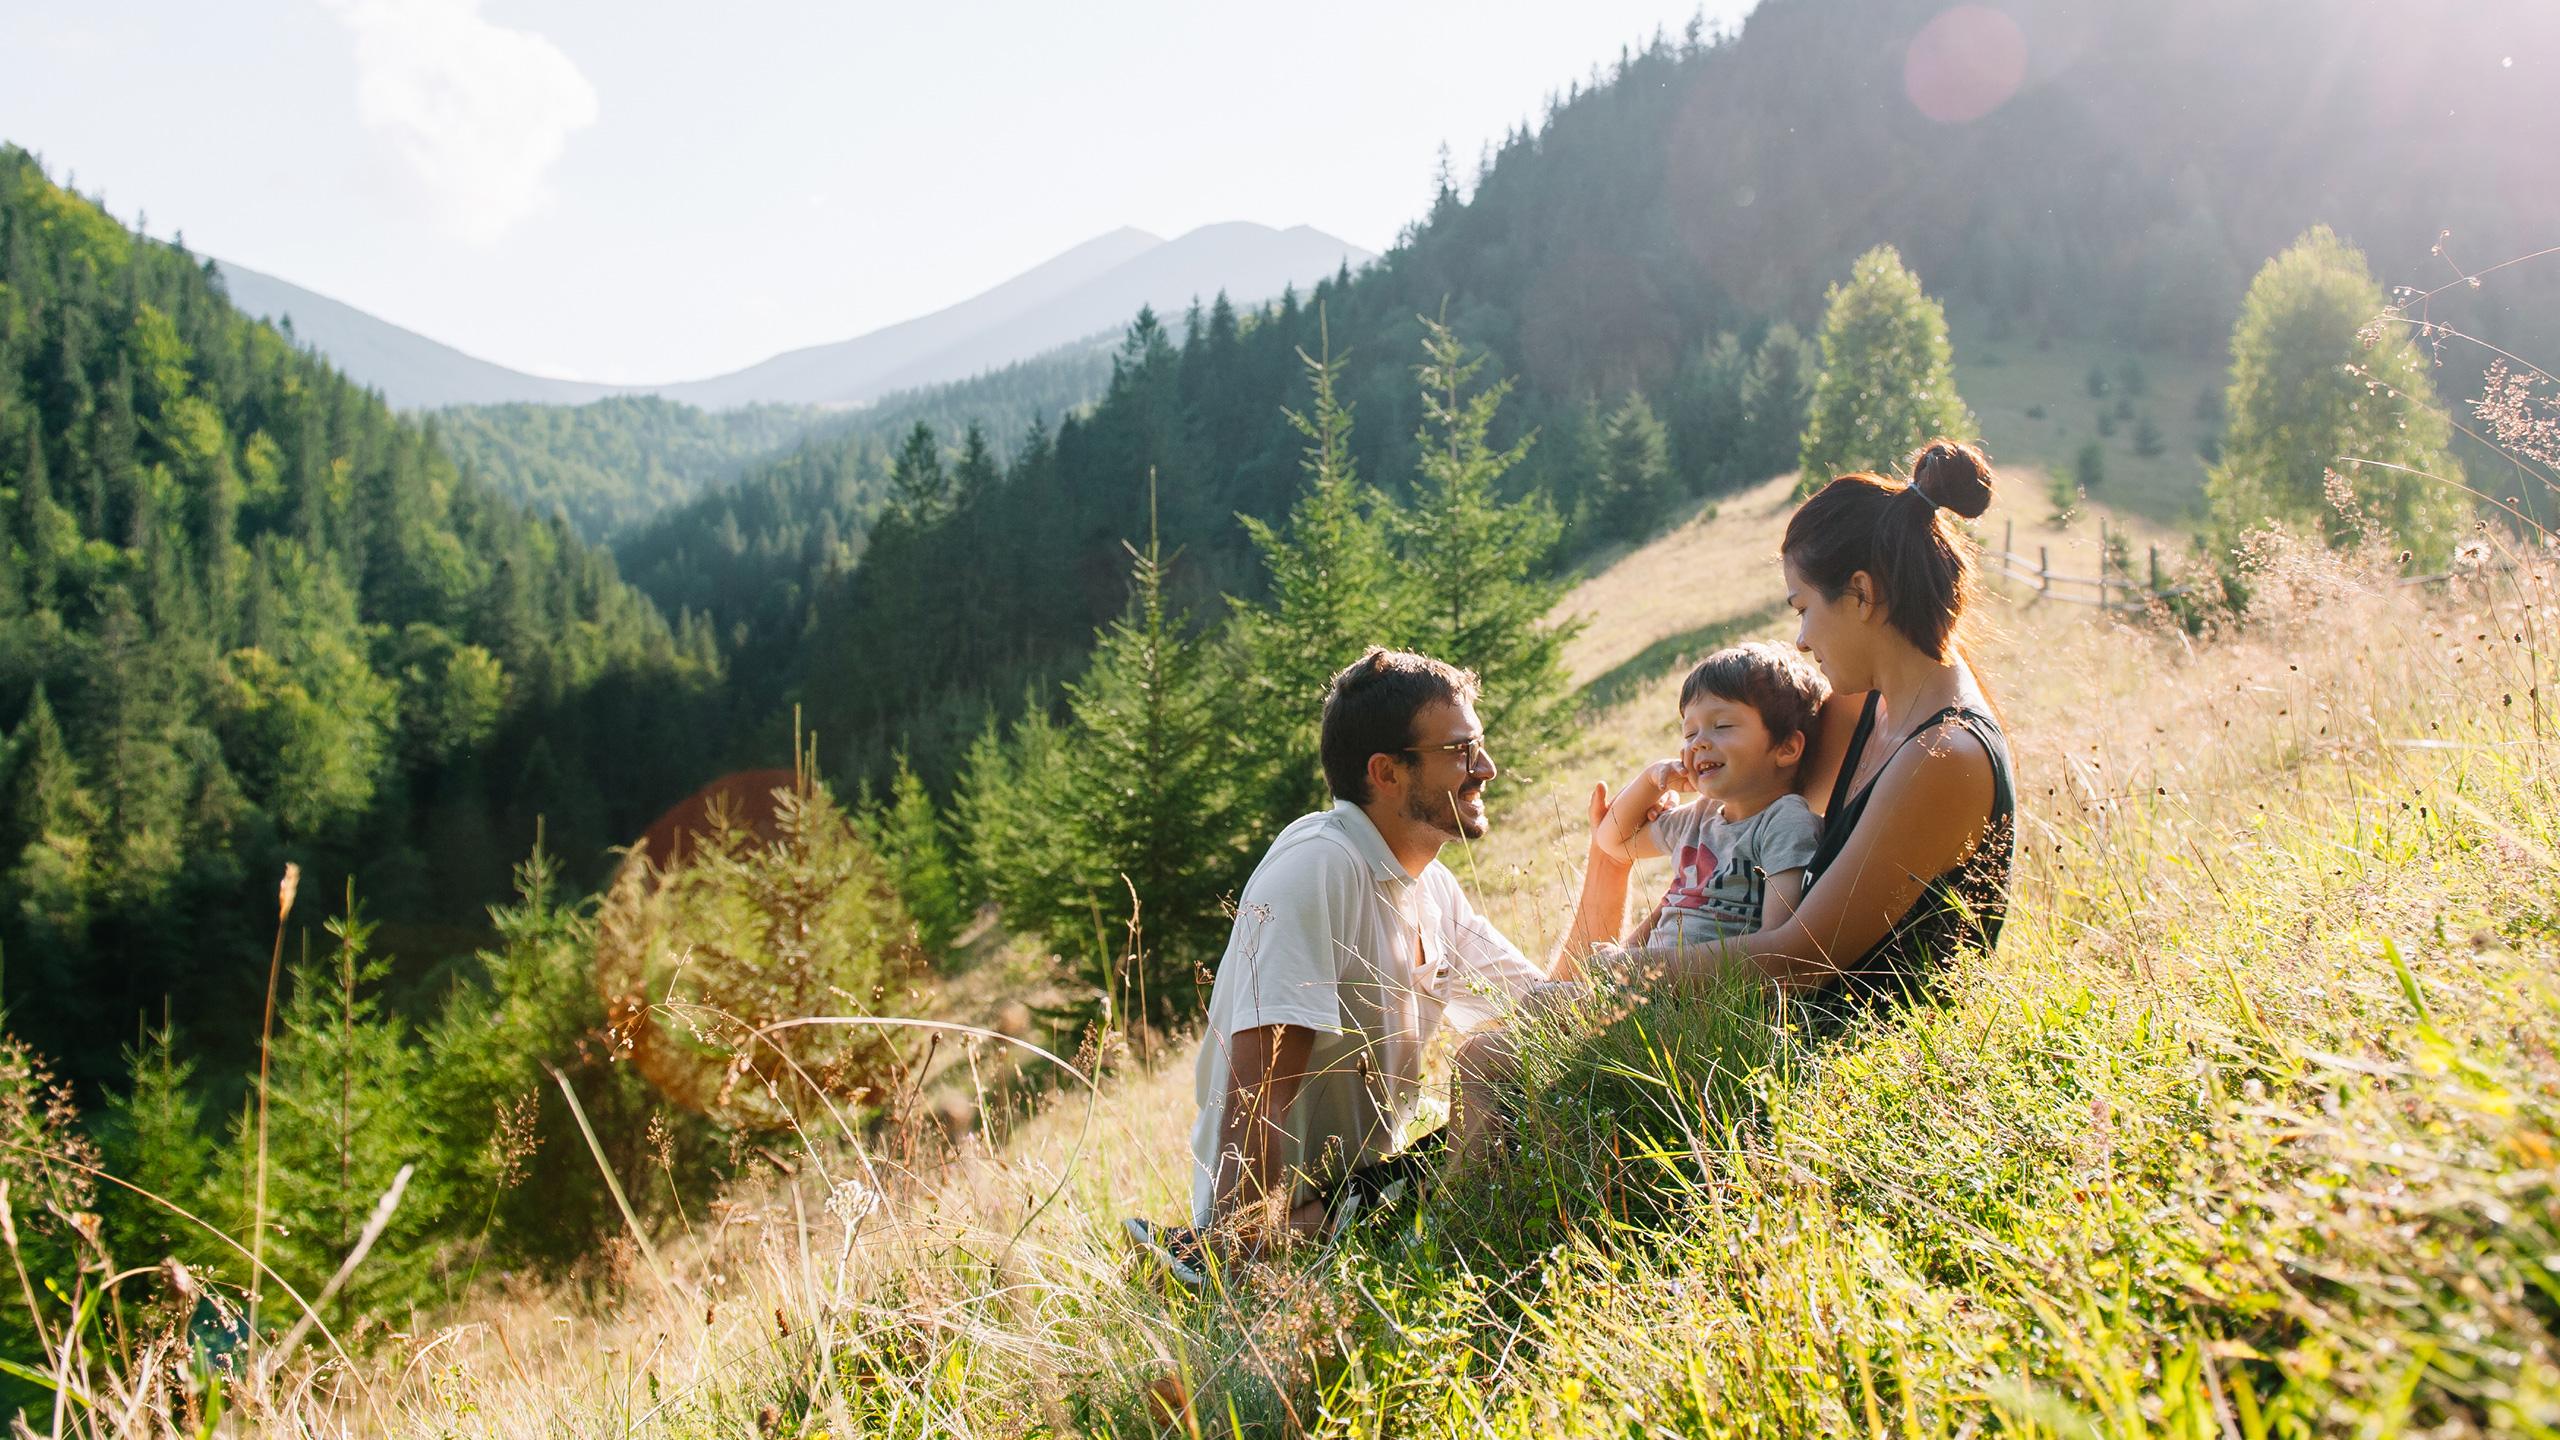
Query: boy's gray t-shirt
point(1720, 872)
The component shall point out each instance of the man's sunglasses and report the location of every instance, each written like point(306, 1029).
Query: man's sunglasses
point(1471, 750)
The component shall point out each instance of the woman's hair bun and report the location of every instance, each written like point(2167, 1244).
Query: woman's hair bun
point(1954, 476)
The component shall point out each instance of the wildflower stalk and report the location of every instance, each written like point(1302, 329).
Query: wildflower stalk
point(285, 890)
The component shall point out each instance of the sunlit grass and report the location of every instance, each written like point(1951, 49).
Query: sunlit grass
point(2248, 1129)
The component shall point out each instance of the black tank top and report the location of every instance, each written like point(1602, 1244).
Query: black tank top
point(1961, 909)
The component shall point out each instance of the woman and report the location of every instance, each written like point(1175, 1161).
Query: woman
point(1918, 836)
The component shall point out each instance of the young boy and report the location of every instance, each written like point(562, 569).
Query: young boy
point(1740, 849)
point(1746, 715)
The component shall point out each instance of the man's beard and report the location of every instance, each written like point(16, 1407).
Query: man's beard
point(1446, 812)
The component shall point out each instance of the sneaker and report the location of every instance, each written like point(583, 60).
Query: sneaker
point(1175, 1247)
point(1345, 1210)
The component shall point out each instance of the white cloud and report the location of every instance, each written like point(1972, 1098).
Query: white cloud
point(479, 112)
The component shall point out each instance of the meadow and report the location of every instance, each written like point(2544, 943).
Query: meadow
point(2248, 1128)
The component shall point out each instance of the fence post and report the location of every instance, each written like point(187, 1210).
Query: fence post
point(2155, 569)
point(2009, 539)
point(2044, 570)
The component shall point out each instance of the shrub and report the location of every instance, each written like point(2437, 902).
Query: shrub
point(753, 931)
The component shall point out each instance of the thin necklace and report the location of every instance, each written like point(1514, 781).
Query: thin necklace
point(1883, 756)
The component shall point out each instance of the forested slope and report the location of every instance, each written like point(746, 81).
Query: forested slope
point(750, 555)
point(612, 463)
point(1709, 187)
point(246, 614)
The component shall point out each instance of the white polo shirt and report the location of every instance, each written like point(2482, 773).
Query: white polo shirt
point(1332, 934)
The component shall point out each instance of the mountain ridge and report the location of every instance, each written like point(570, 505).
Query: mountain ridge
point(1088, 289)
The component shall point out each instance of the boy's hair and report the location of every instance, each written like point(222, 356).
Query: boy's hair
point(1369, 710)
point(1786, 688)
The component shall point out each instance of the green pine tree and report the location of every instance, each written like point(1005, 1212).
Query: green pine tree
point(1011, 824)
point(51, 825)
point(1153, 801)
point(916, 851)
point(1480, 566)
point(1888, 380)
point(2320, 386)
point(1635, 478)
point(45, 529)
point(1775, 391)
point(524, 1180)
point(1708, 421)
point(919, 488)
point(344, 1115)
point(154, 1138)
point(1334, 590)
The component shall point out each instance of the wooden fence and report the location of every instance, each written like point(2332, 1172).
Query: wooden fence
point(2107, 592)
point(2120, 592)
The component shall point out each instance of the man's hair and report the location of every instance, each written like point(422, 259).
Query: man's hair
point(1775, 680)
point(1369, 710)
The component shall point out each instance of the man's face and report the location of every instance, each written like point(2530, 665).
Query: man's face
point(1446, 773)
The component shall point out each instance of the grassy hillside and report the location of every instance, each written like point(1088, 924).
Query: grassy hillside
point(2248, 1129)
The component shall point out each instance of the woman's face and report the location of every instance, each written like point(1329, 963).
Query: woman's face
point(1837, 633)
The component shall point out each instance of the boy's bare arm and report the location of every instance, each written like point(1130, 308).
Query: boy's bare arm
point(1779, 897)
point(1622, 833)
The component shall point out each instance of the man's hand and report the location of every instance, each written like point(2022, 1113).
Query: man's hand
point(1614, 965)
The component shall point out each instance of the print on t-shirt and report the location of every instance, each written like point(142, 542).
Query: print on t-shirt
point(1693, 886)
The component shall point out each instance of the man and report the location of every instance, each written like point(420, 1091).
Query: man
point(1352, 945)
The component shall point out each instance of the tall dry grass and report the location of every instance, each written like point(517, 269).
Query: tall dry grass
point(2247, 1129)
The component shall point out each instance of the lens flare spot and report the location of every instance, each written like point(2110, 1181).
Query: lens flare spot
point(1964, 64)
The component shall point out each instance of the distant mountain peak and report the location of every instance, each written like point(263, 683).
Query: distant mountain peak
point(1090, 288)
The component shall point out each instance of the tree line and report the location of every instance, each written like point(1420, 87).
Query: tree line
point(248, 614)
point(611, 463)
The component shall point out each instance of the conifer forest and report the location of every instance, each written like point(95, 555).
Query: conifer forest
point(466, 867)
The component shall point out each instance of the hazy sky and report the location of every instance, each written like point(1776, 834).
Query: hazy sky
point(638, 190)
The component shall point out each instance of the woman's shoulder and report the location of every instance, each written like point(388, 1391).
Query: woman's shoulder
point(1952, 747)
